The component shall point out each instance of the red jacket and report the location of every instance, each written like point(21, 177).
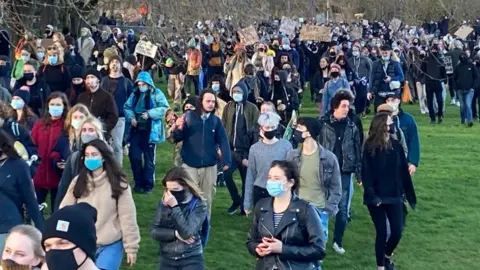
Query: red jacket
point(46, 176)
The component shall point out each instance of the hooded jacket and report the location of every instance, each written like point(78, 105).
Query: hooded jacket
point(465, 76)
point(85, 47)
point(236, 127)
point(284, 95)
point(156, 108)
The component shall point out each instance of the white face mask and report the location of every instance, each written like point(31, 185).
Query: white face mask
point(125, 64)
point(76, 123)
point(394, 105)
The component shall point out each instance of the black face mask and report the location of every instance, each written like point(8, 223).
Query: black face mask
point(61, 259)
point(28, 76)
point(297, 136)
point(179, 195)
point(391, 129)
point(463, 58)
point(332, 54)
point(269, 134)
point(335, 74)
point(78, 87)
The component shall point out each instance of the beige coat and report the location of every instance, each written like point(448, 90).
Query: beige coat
point(115, 219)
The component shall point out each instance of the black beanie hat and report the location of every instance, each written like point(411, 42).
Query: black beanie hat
point(77, 72)
point(75, 223)
point(131, 59)
point(23, 94)
point(93, 72)
point(192, 100)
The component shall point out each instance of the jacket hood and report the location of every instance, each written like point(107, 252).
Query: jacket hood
point(283, 76)
point(146, 78)
point(244, 88)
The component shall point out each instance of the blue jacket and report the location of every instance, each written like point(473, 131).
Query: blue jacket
point(200, 139)
point(122, 92)
point(394, 71)
point(16, 189)
point(406, 122)
point(156, 111)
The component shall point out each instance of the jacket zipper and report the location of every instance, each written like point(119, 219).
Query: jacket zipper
point(203, 138)
point(235, 126)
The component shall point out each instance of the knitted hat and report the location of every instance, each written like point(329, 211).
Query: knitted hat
point(77, 72)
point(75, 223)
point(23, 94)
point(131, 59)
point(192, 100)
point(94, 72)
point(169, 62)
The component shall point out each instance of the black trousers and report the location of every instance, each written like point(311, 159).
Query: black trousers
point(258, 194)
point(476, 103)
point(190, 263)
point(434, 89)
point(42, 196)
point(395, 215)
point(228, 177)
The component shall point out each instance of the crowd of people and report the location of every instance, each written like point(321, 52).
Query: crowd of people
point(71, 111)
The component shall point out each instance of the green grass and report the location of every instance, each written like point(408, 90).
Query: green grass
point(441, 234)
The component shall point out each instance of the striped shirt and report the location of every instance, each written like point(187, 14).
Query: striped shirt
point(276, 219)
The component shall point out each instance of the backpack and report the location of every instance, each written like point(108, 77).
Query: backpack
point(205, 230)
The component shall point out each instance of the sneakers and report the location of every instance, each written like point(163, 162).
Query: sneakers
point(233, 209)
point(338, 248)
point(453, 101)
point(457, 103)
point(440, 120)
point(470, 124)
point(389, 264)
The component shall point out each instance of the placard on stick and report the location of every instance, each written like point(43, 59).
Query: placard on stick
point(395, 24)
point(447, 60)
point(249, 35)
point(146, 48)
point(316, 33)
point(464, 31)
point(288, 27)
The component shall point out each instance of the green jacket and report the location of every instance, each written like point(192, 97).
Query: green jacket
point(250, 111)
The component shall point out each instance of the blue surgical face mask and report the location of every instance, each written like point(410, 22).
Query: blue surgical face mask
point(25, 58)
point(143, 88)
point(216, 87)
point(17, 104)
point(55, 111)
point(93, 163)
point(41, 55)
point(86, 138)
point(275, 188)
point(355, 53)
point(237, 97)
point(386, 58)
point(52, 60)
point(286, 47)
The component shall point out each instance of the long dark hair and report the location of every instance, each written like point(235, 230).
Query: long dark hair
point(223, 93)
point(116, 177)
point(199, 105)
point(26, 112)
point(377, 134)
point(47, 118)
point(180, 175)
point(7, 145)
point(290, 170)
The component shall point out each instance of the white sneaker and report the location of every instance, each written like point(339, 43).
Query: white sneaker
point(340, 250)
point(458, 103)
point(453, 102)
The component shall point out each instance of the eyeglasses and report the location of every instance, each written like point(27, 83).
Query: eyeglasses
point(50, 48)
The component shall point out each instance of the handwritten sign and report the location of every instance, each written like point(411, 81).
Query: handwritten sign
point(365, 22)
point(320, 18)
point(248, 35)
point(316, 33)
point(464, 31)
point(448, 64)
point(288, 27)
point(395, 24)
point(146, 48)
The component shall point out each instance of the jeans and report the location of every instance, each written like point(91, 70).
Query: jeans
point(434, 89)
point(143, 170)
point(201, 77)
point(324, 221)
point(350, 197)
point(476, 103)
point(394, 213)
point(110, 257)
point(204, 78)
point(42, 196)
point(228, 177)
point(190, 263)
point(117, 139)
point(341, 219)
point(465, 97)
point(192, 79)
point(360, 98)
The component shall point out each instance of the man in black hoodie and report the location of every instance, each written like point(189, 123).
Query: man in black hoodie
point(434, 70)
point(239, 115)
point(465, 79)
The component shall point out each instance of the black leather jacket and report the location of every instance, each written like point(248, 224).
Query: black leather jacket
point(300, 231)
point(168, 220)
point(351, 145)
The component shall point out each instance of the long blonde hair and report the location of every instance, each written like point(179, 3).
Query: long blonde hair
point(97, 124)
point(72, 133)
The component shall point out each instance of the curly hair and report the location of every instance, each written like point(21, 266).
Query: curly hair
point(5, 111)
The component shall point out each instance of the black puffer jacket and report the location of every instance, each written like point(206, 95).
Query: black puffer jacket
point(188, 224)
point(300, 231)
point(351, 145)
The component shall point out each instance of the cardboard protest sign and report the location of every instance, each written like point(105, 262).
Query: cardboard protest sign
point(447, 60)
point(248, 35)
point(356, 32)
point(320, 18)
point(287, 27)
point(365, 22)
point(464, 31)
point(395, 24)
point(315, 33)
point(146, 48)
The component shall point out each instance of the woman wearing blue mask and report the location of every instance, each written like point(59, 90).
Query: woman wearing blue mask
point(286, 232)
point(54, 72)
point(21, 112)
point(45, 134)
point(102, 183)
point(144, 110)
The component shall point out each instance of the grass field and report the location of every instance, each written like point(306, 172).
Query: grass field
point(441, 234)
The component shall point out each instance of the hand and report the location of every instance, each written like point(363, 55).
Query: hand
point(412, 169)
point(351, 83)
point(281, 107)
point(145, 115)
point(359, 181)
point(169, 199)
point(274, 245)
point(388, 79)
point(369, 96)
point(188, 241)
point(261, 250)
point(259, 100)
point(225, 168)
point(247, 212)
point(245, 163)
point(180, 122)
point(154, 66)
point(219, 153)
point(134, 122)
point(61, 164)
point(131, 258)
point(95, 53)
point(300, 91)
